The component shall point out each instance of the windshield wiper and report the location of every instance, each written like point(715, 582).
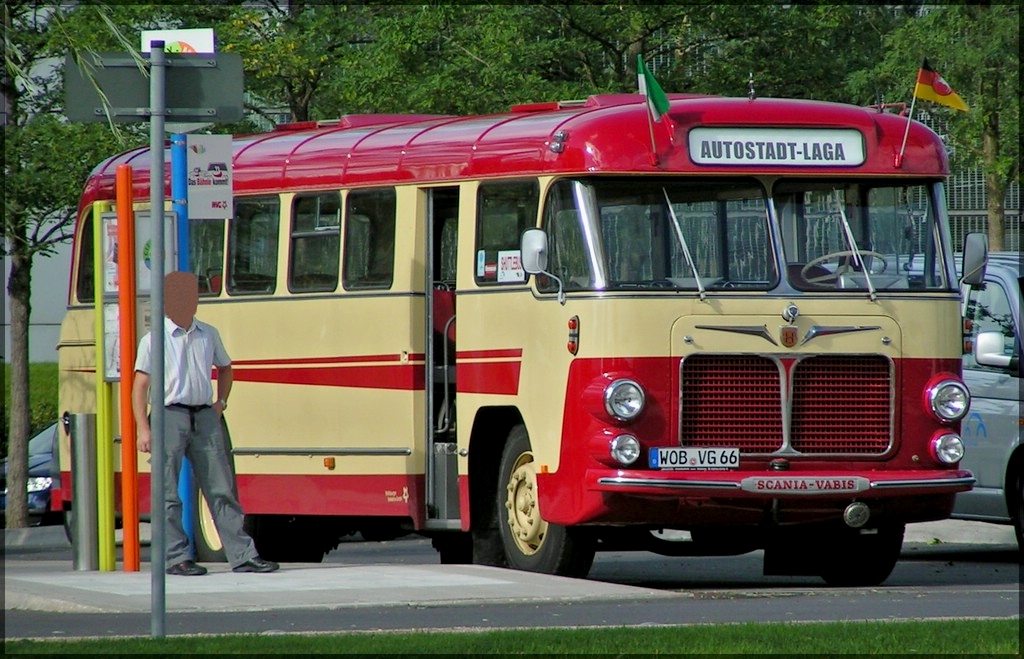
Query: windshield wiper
point(857, 257)
point(682, 242)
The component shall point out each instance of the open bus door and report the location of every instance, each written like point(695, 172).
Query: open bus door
point(442, 483)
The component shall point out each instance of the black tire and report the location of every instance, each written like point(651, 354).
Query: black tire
point(285, 538)
point(69, 524)
point(1016, 505)
point(530, 543)
point(454, 548)
point(862, 559)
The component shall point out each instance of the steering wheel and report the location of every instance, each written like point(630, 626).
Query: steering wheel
point(825, 258)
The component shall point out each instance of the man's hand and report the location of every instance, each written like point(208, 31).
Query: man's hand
point(145, 439)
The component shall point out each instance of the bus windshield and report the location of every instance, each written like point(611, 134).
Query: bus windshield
point(703, 235)
point(862, 236)
point(621, 233)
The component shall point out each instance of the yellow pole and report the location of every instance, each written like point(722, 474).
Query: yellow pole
point(104, 429)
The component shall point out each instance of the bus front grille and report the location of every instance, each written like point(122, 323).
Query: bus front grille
point(840, 404)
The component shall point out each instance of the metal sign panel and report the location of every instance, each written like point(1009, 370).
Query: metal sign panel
point(186, 40)
point(209, 177)
point(197, 88)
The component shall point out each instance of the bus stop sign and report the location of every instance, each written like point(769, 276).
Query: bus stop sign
point(205, 88)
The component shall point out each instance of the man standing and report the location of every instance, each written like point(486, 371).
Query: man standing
point(193, 427)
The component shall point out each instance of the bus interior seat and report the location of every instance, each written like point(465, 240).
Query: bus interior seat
point(444, 311)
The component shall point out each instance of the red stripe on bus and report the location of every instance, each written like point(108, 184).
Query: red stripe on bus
point(487, 377)
point(489, 354)
point(403, 377)
point(351, 359)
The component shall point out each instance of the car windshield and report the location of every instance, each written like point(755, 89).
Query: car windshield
point(42, 442)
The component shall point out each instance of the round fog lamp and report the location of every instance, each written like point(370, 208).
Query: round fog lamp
point(949, 400)
point(625, 449)
point(624, 399)
point(948, 449)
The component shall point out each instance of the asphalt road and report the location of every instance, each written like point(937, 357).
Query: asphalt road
point(398, 585)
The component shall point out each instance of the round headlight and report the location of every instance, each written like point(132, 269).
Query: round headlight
point(949, 400)
point(625, 449)
point(948, 449)
point(624, 399)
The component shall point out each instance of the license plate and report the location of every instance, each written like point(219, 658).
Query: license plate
point(694, 458)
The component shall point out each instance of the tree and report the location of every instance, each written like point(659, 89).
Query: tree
point(976, 49)
point(46, 161)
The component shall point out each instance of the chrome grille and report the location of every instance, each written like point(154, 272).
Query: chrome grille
point(731, 400)
point(841, 404)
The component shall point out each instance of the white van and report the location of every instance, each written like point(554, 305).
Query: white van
point(991, 430)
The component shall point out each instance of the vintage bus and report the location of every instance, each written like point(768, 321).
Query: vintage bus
point(570, 328)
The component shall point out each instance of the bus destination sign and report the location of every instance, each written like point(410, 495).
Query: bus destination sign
point(792, 147)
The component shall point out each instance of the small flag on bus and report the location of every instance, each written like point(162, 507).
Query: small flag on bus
point(931, 87)
point(657, 102)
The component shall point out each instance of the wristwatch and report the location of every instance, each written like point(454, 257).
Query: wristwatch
point(223, 404)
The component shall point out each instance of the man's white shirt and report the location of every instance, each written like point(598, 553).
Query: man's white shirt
point(189, 357)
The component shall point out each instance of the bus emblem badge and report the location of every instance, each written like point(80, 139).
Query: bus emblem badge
point(788, 335)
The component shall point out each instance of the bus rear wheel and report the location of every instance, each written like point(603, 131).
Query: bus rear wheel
point(530, 543)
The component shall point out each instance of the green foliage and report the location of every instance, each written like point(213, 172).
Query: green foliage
point(42, 399)
point(986, 637)
point(976, 49)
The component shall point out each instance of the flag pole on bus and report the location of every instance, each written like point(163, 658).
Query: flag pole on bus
point(931, 87)
point(657, 102)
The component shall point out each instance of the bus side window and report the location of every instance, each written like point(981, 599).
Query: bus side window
point(206, 254)
point(369, 259)
point(315, 243)
point(86, 284)
point(252, 246)
point(504, 210)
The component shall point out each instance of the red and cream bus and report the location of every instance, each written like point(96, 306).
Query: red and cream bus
point(564, 329)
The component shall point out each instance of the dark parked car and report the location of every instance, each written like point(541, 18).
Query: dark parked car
point(993, 373)
point(40, 479)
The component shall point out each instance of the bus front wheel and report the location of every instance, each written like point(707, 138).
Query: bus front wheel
point(529, 542)
point(209, 548)
point(863, 560)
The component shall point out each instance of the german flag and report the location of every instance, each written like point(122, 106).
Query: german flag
point(931, 87)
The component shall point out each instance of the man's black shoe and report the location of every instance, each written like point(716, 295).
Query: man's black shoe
point(187, 569)
point(256, 565)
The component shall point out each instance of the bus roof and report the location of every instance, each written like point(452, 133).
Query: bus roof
point(607, 133)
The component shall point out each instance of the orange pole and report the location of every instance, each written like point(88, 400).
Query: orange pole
point(126, 303)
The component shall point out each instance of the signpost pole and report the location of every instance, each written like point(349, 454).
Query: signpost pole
point(158, 543)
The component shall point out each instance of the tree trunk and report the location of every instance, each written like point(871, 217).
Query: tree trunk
point(19, 288)
point(995, 184)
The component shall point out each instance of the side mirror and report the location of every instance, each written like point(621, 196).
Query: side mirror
point(988, 350)
point(975, 259)
point(534, 251)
